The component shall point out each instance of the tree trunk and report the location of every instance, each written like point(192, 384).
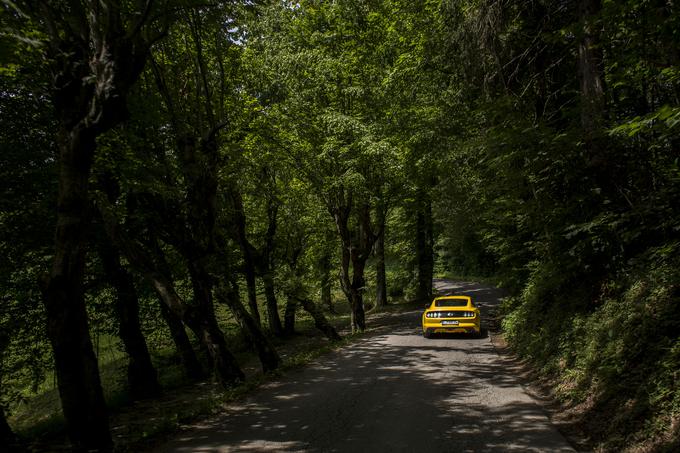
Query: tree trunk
point(154, 266)
point(296, 292)
point(239, 222)
point(224, 363)
point(289, 316)
point(358, 315)
point(320, 320)
point(202, 321)
point(346, 284)
point(380, 274)
point(199, 317)
point(356, 248)
point(379, 251)
point(326, 281)
point(204, 326)
point(269, 358)
point(192, 367)
point(142, 377)
point(590, 67)
point(151, 263)
point(424, 249)
point(252, 293)
point(199, 157)
point(75, 364)
point(273, 317)
point(354, 286)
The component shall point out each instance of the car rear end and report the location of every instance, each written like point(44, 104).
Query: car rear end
point(448, 320)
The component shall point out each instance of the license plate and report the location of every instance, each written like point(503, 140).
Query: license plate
point(449, 323)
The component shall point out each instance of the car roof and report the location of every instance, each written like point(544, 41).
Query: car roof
point(466, 299)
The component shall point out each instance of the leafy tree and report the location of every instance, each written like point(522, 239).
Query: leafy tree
point(27, 170)
point(331, 86)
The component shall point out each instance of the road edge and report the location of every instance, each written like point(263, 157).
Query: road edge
point(541, 390)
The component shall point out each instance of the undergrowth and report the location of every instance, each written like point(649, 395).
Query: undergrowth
point(614, 351)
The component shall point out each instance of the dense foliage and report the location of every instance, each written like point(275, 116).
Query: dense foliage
point(189, 177)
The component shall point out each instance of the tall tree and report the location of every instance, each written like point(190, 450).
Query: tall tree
point(198, 128)
point(141, 374)
point(95, 52)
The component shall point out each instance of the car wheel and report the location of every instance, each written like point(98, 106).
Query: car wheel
point(427, 334)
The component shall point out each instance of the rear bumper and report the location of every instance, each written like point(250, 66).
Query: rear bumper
point(463, 327)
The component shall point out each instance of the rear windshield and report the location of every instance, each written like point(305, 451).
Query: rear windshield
point(451, 303)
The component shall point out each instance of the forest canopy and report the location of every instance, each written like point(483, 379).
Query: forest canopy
point(188, 177)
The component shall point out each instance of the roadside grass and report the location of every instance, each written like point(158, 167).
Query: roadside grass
point(39, 416)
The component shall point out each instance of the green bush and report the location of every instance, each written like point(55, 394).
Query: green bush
point(621, 349)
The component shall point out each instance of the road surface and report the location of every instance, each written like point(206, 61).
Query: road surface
point(391, 392)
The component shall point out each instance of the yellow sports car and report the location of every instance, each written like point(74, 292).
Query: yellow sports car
point(449, 314)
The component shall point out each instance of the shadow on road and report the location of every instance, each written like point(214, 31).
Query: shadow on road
point(392, 392)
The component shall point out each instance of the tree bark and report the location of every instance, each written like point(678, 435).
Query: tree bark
point(192, 367)
point(358, 316)
point(326, 282)
point(269, 358)
point(197, 148)
point(204, 325)
point(267, 268)
point(590, 67)
point(424, 249)
point(296, 293)
point(201, 319)
point(273, 317)
point(199, 158)
point(192, 318)
point(251, 287)
point(380, 274)
point(154, 266)
point(320, 320)
point(75, 364)
point(199, 164)
point(356, 248)
point(142, 377)
point(239, 222)
point(289, 316)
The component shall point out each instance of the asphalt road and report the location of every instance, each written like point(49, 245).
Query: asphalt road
point(392, 392)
